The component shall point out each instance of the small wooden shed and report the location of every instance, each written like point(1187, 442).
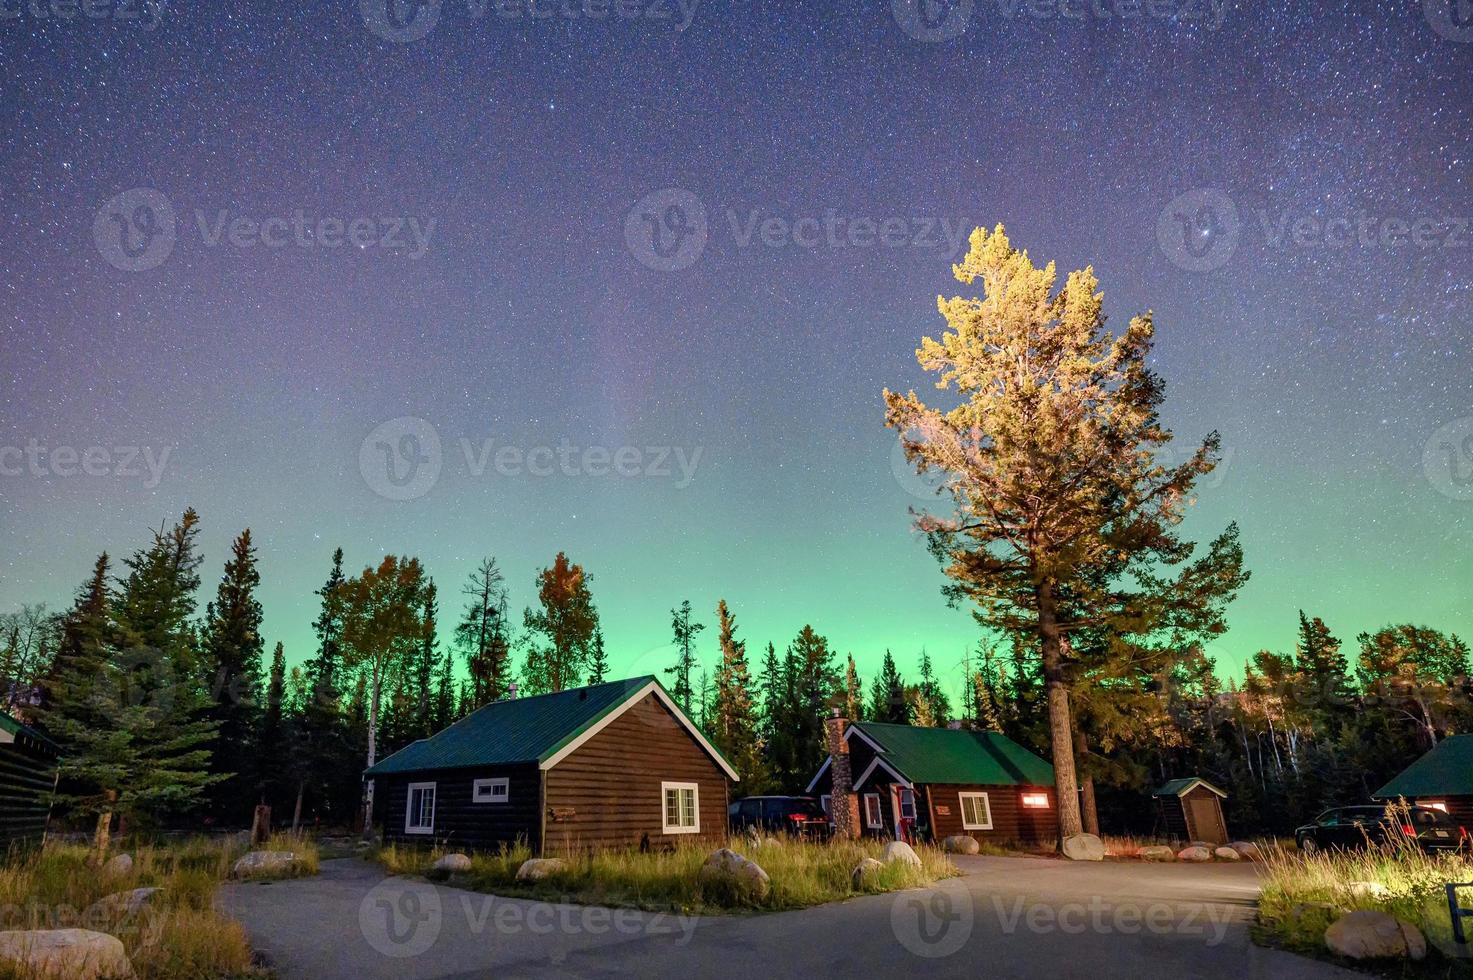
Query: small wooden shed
point(28, 762)
point(1191, 809)
point(1442, 779)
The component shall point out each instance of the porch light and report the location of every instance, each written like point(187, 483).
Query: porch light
point(1035, 801)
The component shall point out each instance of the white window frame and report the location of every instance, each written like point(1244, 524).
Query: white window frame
point(874, 816)
point(961, 803)
point(695, 801)
point(410, 827)
point(493, 782)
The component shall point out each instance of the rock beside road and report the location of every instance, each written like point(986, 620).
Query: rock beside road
point(1157, 852)
point(452, 863)
point(263, 863)
point(66, 954)
point(899, 850)
point(1194, 853)
point(961, 844)
point(120, 905)
point(117, 866)
point(1226, 854)
point(536, 869)
point(1084, 847)
point(864, 872)
point(727, 869)
point(1368, 935)
point(1247, 850)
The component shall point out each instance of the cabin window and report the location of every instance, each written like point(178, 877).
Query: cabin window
point(976, 811)
point(491, 790)
point(907, 800)
point(419, 815)
point(873, 819)
point(682, 807)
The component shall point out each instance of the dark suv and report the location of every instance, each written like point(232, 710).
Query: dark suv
point(800, 815)
point(1351, 827)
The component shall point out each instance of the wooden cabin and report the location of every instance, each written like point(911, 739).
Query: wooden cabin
point(28, 762)
point(1191, 810)
point(1442, 779)
point(607, 766)
point(934, 783)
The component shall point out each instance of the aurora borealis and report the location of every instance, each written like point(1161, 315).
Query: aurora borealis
point(343, 216)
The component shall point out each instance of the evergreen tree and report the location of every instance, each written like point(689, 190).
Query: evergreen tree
point(814, 691)
point(887, 695)
point(598, 664)
point(328, 761)
point(853, 691)
point(937, 706)
point(481, 636)
point(734, 726)
point(271, 741)
point(685, 658)
point(232, 652)
point(1048, 460)
point(560, 632)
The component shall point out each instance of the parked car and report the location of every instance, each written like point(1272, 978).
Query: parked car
point(1351, 827)
point(799, 815)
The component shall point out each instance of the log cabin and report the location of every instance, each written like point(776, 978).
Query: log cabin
point(28, 768)
point(916, 783)
point(611, 765)
point(1442, 779)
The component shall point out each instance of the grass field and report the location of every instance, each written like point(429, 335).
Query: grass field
point(802, 874)
point(179, 935)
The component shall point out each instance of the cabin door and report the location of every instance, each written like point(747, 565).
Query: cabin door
point(1206, 820)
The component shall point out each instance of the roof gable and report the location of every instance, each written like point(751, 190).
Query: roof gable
point(954, 755)
point(1446, 770)
point(1181, 787)
point(542, 729)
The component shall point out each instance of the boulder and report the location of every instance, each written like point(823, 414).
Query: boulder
point(1368, 889)
point(536, 869)
point(961, 844)
point(1247, 850)
point(117, 866)
point(899, 850)
point(65, 954)
point(1226, 854)
point(120, 905)
point(727, 869)
point(1084, 847)
point(451, 863)
point(264, 863)
point(864, 872)
point(1194, 853)
point(1368, 935)
point(1157, 852)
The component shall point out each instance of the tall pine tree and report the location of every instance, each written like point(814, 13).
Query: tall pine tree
point(232, 654)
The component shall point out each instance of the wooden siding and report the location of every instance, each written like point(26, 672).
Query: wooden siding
point(1011, 821)
point(27, 779)
point(459, 822)
point(1206, 797)
point(607, 792)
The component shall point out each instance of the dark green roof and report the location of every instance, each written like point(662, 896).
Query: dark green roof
point(519, 730)
point(1447, 770)
point(15, 728)
point(956, 755)
point(1176, 787)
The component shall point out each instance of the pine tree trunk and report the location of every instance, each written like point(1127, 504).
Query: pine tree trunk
point(1090, 814)
point(1061, 728)
point(297, 811)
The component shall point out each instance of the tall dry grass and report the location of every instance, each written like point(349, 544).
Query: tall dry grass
point(802, 874)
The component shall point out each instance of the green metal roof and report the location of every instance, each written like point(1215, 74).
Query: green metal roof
point(1176, 787)
point(14, 727)
point(955, 755)
point(519, 730)
point(1447, 770)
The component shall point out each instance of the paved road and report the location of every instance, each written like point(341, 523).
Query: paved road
point(1005, 917)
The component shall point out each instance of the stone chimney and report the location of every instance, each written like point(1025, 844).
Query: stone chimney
point(843, 801)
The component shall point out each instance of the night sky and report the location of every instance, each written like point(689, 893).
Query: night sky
point(672, 269)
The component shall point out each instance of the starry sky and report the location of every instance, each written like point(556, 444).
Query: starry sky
point(627, 280)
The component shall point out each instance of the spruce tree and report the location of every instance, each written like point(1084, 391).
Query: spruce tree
point(328, 763)
point(887, 695)
point(271, 742)
point(734, 714)
point(481, 635)
point(853, 691)
point(685, 659)
point(232, 653)
point(598, 664)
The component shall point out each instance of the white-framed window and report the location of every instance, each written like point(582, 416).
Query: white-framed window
point(681, 805)
point(907, 800)
point(419, 814)
point(976, 811)
point(874, 819)
point(495, 790)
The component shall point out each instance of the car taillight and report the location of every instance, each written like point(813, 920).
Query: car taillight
point(1409, 830)
point(796, 817)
